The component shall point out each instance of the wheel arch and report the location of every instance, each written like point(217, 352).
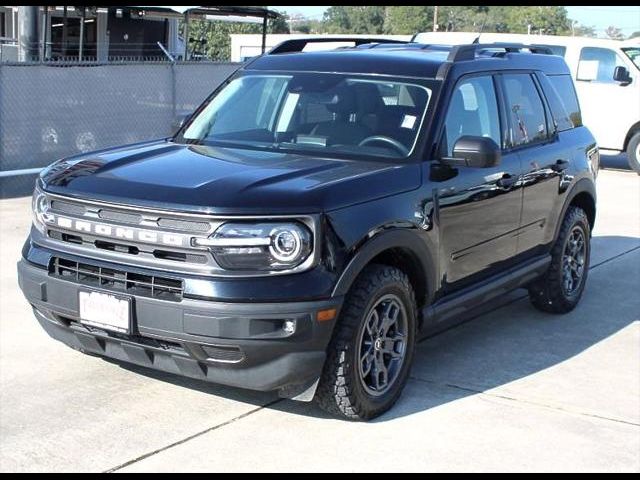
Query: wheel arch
point(401, 248)
point(583, 195)
point(635, 128)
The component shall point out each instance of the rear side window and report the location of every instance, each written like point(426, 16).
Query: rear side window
point(528, 123)
point(556, 49)
point(566, 93)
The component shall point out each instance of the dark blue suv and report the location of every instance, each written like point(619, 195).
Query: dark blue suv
point(317, 214)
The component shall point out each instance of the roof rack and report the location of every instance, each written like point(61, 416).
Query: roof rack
point(460, 53)
point(298, 44)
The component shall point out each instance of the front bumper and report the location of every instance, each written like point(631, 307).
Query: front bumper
point(237, 344)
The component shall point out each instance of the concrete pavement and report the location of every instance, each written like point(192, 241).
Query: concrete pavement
point(514, 389)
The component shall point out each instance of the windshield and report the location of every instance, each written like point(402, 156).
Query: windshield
point(313, 113)
point(634, 54)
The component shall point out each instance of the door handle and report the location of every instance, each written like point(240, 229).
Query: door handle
point(560, 166)
point(507, 181)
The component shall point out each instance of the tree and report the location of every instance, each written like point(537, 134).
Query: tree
point(614, 33)
point(584, 31)
point(212, 39)
point(360, 20)
point(634, 35)
point(408, 20)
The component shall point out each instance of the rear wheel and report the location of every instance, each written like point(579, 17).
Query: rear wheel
point(633, 152)
point(371, 351)
point(560, 288)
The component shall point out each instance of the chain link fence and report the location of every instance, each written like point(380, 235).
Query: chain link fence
point(48, 111)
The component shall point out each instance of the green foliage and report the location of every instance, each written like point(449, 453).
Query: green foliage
point(614, 33)
point(635, 35)
point(212, 39)
point(551, 20)
point(408, 20)
point(359, 20)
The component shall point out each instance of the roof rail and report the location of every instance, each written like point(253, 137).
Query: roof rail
point(298, 44)
point(461, 53)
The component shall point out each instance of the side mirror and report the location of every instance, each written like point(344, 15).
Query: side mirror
point(621, 74)
point(179, 121)
point(476, 152)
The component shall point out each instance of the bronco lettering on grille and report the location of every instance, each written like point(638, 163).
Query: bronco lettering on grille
point(103, 230)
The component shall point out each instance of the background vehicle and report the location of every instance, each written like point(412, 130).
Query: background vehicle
point(607, 79)
point(317, 214)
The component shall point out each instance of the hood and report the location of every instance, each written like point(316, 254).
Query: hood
point(216, 180)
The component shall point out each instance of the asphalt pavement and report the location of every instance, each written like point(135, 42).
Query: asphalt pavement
point(512, 390)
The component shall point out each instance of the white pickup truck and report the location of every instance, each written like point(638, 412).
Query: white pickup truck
point(606, 75)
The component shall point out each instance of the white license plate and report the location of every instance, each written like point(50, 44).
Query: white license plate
point(105, 311)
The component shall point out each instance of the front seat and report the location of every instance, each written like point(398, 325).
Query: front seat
point(343, 129)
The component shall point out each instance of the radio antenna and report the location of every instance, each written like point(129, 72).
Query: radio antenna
point(484, 20)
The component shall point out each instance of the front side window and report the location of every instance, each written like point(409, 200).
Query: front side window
point(597, 64)
point(528, 122)
point(473, 110)
point(634, 55)
point(313, 113)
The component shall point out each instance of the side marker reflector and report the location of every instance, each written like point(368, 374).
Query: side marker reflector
point(326, 315)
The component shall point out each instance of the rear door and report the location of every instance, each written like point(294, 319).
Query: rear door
point(533, 137)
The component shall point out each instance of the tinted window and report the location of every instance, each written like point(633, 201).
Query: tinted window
point(312, 112)
point(597, 64)
point(563, 86)
point(473, 111)
point(524, 106)
point(556, 49)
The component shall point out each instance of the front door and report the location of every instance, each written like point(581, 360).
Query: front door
point(609, 108)
point(479, 208)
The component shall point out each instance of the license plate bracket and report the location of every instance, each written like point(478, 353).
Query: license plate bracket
point(105, 310)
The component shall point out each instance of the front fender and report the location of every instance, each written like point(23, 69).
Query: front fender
point(408, 239)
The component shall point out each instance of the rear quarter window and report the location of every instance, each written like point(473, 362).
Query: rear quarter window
point(564, 104)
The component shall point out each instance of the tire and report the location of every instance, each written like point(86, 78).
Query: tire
point(345, 389)
point(633, 152)
point(558, 290)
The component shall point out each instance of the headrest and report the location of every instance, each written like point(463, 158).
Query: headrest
point(343, 102)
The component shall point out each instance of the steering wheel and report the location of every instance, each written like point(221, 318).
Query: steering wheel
point(391, 141)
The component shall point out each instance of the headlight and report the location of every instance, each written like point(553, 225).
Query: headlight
point(259, 246)
point(40, 209)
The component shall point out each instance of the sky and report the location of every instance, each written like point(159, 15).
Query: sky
point(626, 18)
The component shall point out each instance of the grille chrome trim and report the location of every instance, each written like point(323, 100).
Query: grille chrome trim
point(166, 219)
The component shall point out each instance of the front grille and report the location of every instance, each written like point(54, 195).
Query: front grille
point(68, 207)
point(224, 353)
point(121, 217)
point(131, 283)
point(127, 217)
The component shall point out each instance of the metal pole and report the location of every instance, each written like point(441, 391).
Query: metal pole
point(64, 32)
point(28, 27)
point(45, 33)
point(186, 35)
point(81, 36)
point(264, 33)
point(435, 18)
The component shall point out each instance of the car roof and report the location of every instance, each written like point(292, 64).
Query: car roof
point(401, 59)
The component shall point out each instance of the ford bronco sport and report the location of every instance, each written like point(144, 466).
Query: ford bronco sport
point(318, 214)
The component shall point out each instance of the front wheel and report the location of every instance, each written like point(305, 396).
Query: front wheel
point(633, 152)
point(560, 288)
point(371, 351)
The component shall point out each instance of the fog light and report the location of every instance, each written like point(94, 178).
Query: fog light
point(289, 326)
